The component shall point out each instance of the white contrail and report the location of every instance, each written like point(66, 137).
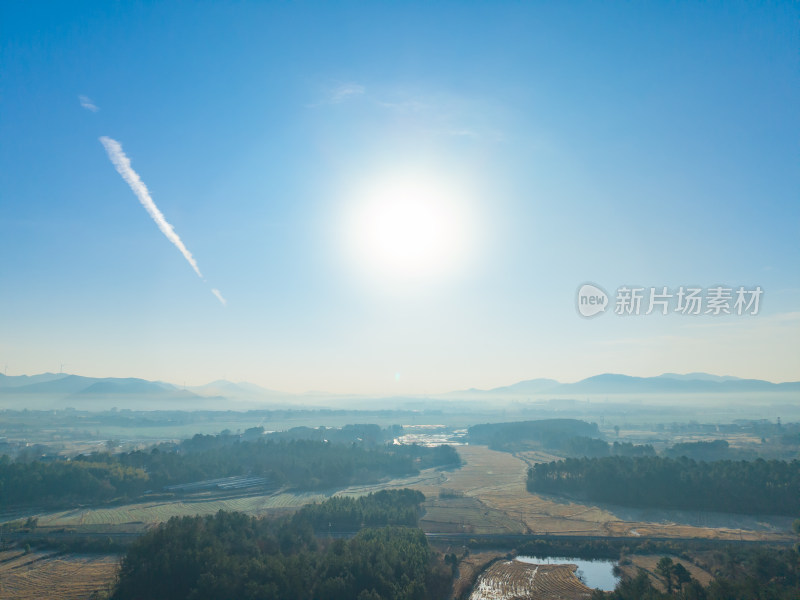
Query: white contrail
point(218, 294)
point(123, 166)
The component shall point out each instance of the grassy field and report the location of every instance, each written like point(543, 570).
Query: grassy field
point(465, 515)
point(157, 512)
point(486, 495)
point(39, 575)
point(146, 513)
point(511, 579)
point(498, 480)
point(648, 563)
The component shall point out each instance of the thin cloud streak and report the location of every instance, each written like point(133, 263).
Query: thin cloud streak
point(87, 103)
point(123, 165)
point(218, 294)
point(345, 91)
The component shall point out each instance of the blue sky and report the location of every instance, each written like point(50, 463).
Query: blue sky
point(554, 144)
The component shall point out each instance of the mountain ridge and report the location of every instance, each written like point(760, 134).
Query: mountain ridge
point(70, 387)
point(615, 383)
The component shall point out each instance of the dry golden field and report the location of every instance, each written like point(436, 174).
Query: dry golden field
point(648, 563)
point(498, 480)
point(486, 495)
point(494, 500)
point(43, 575)
point(466, 515)
point(468, 570)
point(157, 512)
point(514, 580)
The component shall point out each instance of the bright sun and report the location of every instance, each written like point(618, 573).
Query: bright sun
point(407, 226)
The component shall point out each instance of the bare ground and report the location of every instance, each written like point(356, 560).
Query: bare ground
point(514, 580)
point(468, 570)
point(498, 480)
point(38, 575)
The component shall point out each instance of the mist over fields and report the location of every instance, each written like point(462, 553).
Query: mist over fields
point(399, 300)
point(684, 392)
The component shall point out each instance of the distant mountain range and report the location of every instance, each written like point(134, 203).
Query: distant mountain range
point(21, 380)
point(61, 390)
point(611, 383)
point(53, 390)
point(75, 386)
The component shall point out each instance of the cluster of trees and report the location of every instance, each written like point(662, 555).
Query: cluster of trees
point(596, 448)
point(231, 555)
point(549, 433)
point(566, 437)
point(751, 487)
point(599, 549)
point(628, 449)
point(343, 513)
point(739, 574)
point(709, 451)
point(575, 438)
point(301, 464)
point(674, 574)
point(57, 482)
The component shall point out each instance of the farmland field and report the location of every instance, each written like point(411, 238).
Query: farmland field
point(157, 512)
point(648, 563)
point(469, 568)
point(511, 579)
point(498, 480)
point(39, 575)
point(209, 503)
point(486, 495)
point(465, 515)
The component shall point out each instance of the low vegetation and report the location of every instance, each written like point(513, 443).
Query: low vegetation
point(300, 464)
point(342, 513)
point(739, 574)
point(231, 555)
point(747, 487)
point(55, 576)
point(549, 433)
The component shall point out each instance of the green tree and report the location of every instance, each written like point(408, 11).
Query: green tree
point(681, 575)
point(665, 568)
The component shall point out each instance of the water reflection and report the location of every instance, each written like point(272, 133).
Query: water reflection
point(594, 573)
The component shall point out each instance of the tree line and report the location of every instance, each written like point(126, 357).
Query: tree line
point(748, 487)
point(576, 438)
point(231, 555)
point(547, 432)
point(739, 574)
point(344, 513)
point(300, 464)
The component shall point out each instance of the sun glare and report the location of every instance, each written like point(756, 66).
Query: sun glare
point(408, 227)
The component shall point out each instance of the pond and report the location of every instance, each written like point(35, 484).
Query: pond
point(594, 573)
